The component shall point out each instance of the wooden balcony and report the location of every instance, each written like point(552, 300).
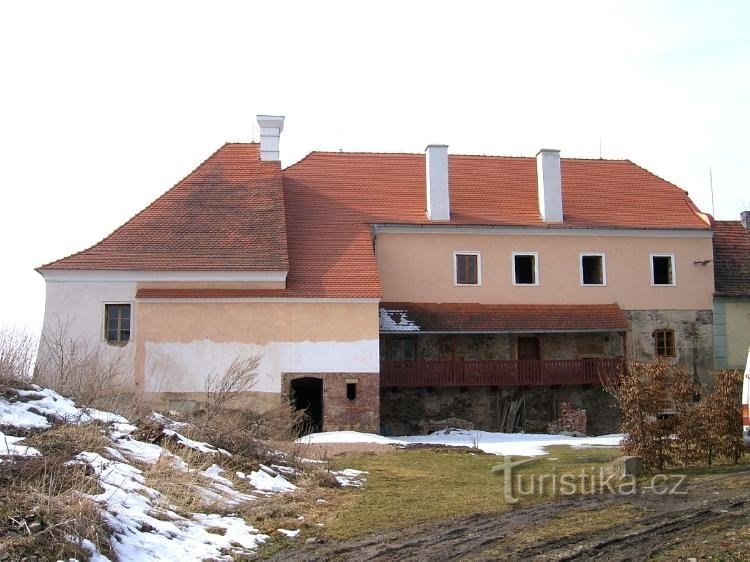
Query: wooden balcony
point(499, 373)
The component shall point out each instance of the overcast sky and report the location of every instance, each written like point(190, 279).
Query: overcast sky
point(104, 106)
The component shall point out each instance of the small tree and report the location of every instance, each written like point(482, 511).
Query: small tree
point(718, 416)
point(653, 399)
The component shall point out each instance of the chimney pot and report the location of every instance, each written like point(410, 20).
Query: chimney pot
point(438, 196)
point(549, 185)
point(745, 219)
point(270, 131)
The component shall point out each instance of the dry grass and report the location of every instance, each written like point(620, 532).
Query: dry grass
point(43, 505)
point(17, 352)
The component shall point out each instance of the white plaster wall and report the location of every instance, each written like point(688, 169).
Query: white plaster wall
point(80, 307)
point(183, 366)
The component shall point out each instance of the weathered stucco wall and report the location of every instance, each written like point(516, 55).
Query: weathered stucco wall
point(180, 343)
point(731, 332)
point(418, 267)
point(74, 315)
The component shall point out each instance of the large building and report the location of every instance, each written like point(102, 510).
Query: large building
point(386, 291)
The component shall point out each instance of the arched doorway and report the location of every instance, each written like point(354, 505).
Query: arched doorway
point(307, 394)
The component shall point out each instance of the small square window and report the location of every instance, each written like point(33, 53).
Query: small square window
point(592, 269)
point(351, 390)
point(467, 268)
point(525, 269)
point(117, 323)
point(664, 343)
point(662, 269)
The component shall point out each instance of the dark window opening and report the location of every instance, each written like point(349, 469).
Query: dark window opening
point(351, 390)
point(524, 267)
point(527, 348)
point(117, 323)
point(592, 270)
point(403, 349)
point(662, 270)
point(664, 343)
point(467, 269)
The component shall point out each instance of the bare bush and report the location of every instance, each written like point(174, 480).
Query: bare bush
point(17, 352)
point(719, 421)
point(240, 376)
point(668, 419)
point(75, 367)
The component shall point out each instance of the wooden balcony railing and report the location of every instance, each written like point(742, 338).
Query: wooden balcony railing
point(500, 373)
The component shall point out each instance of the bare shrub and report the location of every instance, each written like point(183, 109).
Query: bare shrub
point(668, 419)
point(719, 421)
point(240, 376)
point(74, 367)
point(17, 352)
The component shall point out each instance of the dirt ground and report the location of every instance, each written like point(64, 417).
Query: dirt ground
point(711, 520)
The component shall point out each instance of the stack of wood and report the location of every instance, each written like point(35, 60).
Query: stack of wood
point(511, 414)
point(570, 420)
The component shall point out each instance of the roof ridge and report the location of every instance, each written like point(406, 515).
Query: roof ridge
point(450, 154)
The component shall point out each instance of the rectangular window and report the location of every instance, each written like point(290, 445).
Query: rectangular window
point(592, 269)
point(664, 343)
point(403, 349)
point(662, 269)
point(525, 268)
point(351, 391)
point(467, 268)
point(117, 323)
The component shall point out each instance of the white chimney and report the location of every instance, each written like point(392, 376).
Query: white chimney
point(270, 131)
point(438, 199)
point(549, 184)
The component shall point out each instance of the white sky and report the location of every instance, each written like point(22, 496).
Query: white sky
point(104, 106)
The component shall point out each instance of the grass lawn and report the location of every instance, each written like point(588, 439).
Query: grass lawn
point(411, 486)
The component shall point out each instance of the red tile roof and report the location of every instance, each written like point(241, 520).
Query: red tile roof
point(231, 214)
point(731, 259)
point(447, 317)
point(228, 214)
point(332, 199)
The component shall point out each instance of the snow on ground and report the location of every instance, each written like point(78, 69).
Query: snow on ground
point(9, 447)
point(144, 532)
point(268, 481)
point(29, 411)
point(199, 446)
point(350, 478)
point(519, 444)
point(348, 437)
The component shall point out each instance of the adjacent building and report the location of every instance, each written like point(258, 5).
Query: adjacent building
point(732, 296)
point(393, 291)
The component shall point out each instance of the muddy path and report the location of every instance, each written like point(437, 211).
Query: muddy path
point(659, 523)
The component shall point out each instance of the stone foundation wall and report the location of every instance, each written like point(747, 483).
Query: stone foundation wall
point(477, 347)
point(693, 331)
point(406, 411)
point(340, 413)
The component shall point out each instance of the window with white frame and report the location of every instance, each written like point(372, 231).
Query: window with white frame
point(117, 323)
point(593, 269)
point(525, 268)
point(663, 269)
point(467, 268)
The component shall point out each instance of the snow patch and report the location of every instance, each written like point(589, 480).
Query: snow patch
point(395, 320)
point(520, 444)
